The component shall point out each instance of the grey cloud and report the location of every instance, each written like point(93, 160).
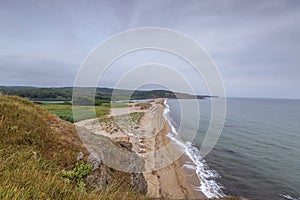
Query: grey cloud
point(16, 70)
point(254, 43)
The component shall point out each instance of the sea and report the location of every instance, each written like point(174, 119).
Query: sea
point(257, 156)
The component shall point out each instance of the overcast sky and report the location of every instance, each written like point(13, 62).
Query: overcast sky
point(255, 44)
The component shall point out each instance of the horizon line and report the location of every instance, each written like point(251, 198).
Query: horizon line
point(108, 87)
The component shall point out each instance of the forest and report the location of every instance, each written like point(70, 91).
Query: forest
point(102, 95)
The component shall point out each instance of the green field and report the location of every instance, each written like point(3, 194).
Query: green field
point(64, 111)
point(83, 112)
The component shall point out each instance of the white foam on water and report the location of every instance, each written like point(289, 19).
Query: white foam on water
point(165, 113)
point(286, 196)
point(207, 177)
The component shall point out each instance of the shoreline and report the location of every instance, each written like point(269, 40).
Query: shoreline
point(165, 178)
point(174, 181)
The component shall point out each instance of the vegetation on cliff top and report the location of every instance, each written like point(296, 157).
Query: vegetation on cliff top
point(36, 147)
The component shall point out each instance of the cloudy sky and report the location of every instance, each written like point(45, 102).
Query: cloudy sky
point(254, 43)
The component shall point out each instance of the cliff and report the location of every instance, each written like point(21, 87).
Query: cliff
point(42, 157)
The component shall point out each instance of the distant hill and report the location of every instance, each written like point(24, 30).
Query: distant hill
point(102, 94)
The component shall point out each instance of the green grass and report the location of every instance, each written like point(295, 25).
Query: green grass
point(64, 111)
point(23, 177)
point(82, 112)
point(78, 174)
point(119, 104)
point(37, 151)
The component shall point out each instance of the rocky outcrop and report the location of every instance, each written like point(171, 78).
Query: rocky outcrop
point(112, 153)
point(80, 156)
point(99, 178)
point(139, 184)
point(125, 145)
point(120, 139)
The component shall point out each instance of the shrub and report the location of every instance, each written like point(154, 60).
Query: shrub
point(77, 174)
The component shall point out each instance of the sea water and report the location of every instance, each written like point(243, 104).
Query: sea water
point(258, 153)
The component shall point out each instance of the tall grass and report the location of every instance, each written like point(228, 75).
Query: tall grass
point(35, 148)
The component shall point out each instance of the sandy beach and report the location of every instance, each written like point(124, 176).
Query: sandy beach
point(164, 173)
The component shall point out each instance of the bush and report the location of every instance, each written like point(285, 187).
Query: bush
point(77, 174)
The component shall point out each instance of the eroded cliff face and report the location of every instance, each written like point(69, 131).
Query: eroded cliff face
point(99, 179)
point(101, 176)
point(138, 181)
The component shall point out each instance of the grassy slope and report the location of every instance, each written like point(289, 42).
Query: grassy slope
point(26, 128)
